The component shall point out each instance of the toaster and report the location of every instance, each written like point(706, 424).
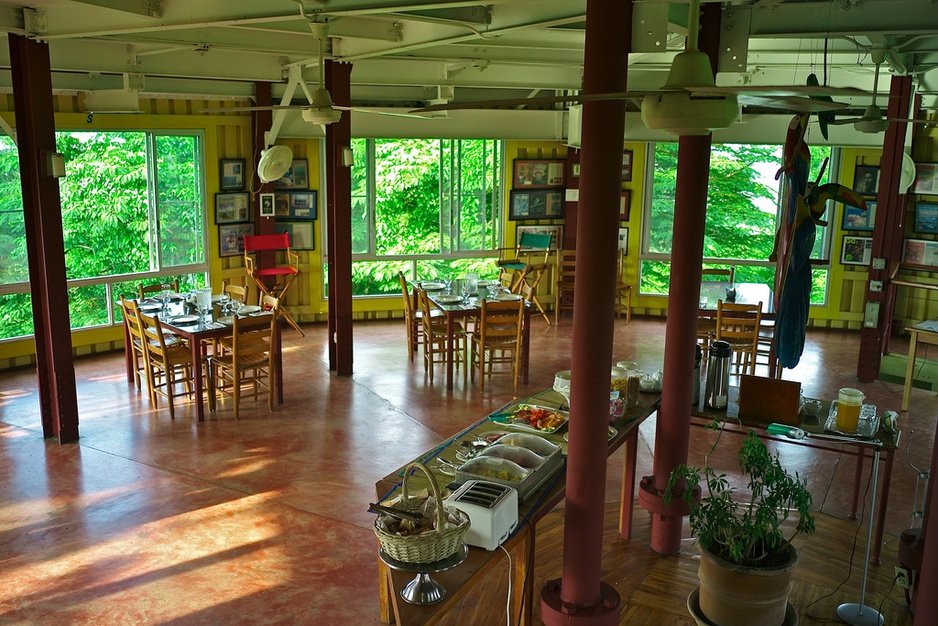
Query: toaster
point(492, 511)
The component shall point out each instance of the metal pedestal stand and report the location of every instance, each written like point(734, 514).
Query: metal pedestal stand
point(422, 589)
point(856, 613)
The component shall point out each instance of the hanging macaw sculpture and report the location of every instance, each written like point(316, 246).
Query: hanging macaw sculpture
point(803, 205)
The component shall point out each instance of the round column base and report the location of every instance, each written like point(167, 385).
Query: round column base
point(556, 612)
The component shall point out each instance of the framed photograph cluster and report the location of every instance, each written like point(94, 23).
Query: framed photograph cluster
point(856, 218)
point(297, 177)
point(866, 180)
point(232, 174)
point(232, 207)
point(231, 238)
point(541, 174)
point(926, 218)
point(296, 205)
point(920, 252)
point(302, 234)
point(555, 232)
point(536, 205)
point(856, 250)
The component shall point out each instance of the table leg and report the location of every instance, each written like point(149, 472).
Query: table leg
point(525, 344)
point(628, 485)
point(197, 377)
point(386, 595)
point(450, 331)
point(525, 571)
point(909, 368)
point(883, 503)
point(278, 362)
point(857, 478)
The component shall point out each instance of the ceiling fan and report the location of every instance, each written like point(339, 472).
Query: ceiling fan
point(690, 103)
point(320, 110)
point(872, 121)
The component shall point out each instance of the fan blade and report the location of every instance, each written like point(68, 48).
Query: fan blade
point(782, 90)
point(911, 121)
point(791, 103)
point(381, 112)
point(847, 120)
point(273, 107)
point(516, 102)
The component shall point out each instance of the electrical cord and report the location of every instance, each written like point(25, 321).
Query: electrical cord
point(508, 600)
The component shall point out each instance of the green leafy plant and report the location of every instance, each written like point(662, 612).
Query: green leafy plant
point(746, 531)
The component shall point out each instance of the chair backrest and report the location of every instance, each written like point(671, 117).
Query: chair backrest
point(620, 266)
point(257, 243)
point(237, 292)
point(153, 338)
point(132, 319)
point(143, 290)
point(405, 291)
point(739, 323)
point(500, 322)
point(530, 240)
point(269, 303)
point(427, 318)
point(718, 274)
point(251, 339)
point(566, 266)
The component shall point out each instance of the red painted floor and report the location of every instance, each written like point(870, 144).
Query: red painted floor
point(148, 520)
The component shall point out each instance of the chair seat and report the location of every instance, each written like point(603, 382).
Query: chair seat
point(275, 271)
point(513, 264)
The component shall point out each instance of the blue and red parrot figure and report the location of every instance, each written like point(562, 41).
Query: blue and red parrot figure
point(803, 205)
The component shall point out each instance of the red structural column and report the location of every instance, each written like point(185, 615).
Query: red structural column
point(339, 224)
point(35, 129)
point(580, 596)
point(690, 206)
point(887, 233)
point(261, 121)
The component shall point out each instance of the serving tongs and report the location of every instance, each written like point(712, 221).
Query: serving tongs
point(398, 513)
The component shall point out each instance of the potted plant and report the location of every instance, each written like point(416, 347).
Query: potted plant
point(745, 550)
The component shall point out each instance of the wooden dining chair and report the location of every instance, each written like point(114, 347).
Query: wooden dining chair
point(718, 274)
point(413, 317)
point(247, 369)
point(566, 272)
point(131, 316)
point(434, 337)
point(738, 325)
point(235, 292)
point(497, 340)
point(169, 363)
point(623, 288)
point(145, 290)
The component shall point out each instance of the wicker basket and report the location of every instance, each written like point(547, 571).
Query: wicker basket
point(430, 546)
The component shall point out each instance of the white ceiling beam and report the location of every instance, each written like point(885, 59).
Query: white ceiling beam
point(146, 8)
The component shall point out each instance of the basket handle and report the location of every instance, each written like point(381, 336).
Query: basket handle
point(440, 518)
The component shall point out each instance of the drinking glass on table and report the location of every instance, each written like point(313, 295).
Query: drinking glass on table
point(236, 306)
point(165, 290)
point(449, 284)
point(465, 289)
point(225, 301)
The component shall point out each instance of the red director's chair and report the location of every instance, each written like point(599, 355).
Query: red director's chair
point(281, 275)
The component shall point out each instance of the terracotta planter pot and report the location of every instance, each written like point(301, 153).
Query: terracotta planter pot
point(734, 595)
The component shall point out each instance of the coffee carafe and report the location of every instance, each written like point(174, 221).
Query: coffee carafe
point(718, 375)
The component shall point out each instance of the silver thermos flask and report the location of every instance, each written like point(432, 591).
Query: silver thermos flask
point(718, 373)
point(697, 358)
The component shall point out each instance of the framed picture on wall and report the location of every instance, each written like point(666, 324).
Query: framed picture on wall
point(538, 174)
point(926, 218)
point(856, 218)
point(232, 174)
point(231, 238)
point(856, 250)
point(625, 204)
point(299, 205)
point(536, 205)
point(555, 232)
point(627, 165)
point(575, 170)
point(926, 178)
point(624, 240)
point(920, 252)
point(866, 180)
point(232, 208)
point(267, 204)
point(297, 177)
point(302, 234)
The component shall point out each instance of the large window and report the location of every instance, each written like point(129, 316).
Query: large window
point(132, 210)
point(428, 207)
point(743, 210)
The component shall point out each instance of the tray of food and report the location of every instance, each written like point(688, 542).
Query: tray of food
point(534, 443)
point(523, 457)
point(538, 419)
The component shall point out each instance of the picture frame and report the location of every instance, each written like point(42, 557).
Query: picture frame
point(555, 232)
point(297, 177)
point(266, 204)
point(856, 250)
point(536, 205)
point(926, 178)
point(856, 218)
point(627, 165)
point(625, 205)
point(231, 174)
point(302, 234)
point(575, 170)
point(298, 205)
point(866, 180)
point(624, 240)
point(231, 238)
point(920, 252)
point(538, 174)
point(926, 218)
point(232, 207)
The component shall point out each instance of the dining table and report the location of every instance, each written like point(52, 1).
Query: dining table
point(470, 306)
point(200, 331)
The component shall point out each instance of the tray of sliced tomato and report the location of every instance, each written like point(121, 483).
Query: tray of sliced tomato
point(533, 418)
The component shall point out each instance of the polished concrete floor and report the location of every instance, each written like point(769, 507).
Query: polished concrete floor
point(263, 520)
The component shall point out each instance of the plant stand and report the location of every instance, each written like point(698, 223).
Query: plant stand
point(422, 589)
point(857, 613)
